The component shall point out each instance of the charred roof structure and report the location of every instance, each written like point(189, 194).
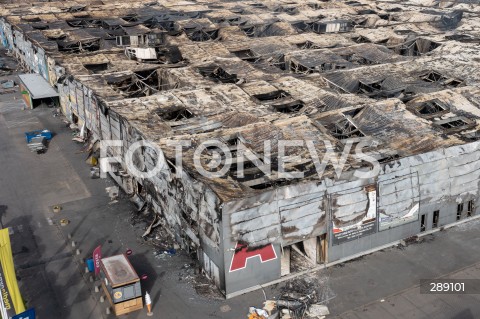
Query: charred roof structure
point(399, 78)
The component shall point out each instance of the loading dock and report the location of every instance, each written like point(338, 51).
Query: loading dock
point(37, 91)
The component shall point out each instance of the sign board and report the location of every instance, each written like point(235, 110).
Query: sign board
point(366, 226)
point(29, 314)
point(11, 300)
point(97, 255)
point(243, 254)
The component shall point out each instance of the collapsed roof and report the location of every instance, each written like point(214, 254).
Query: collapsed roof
point(401, 77)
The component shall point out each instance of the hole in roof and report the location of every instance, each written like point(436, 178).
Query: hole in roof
point(454, 124)
point(353, 112)
point(415, 48)
point(144, 83)
point(202, 35)
point(344, 129)
point(307, 45)
point(177, 114)
point(40, 26)
point(217, 74)
point(271, 96)
point(96, 67)
point(31, 19)
point(291, 107)
point(78, 46)
point(130, 18)
point(247, 55)
point(84, 23)
point(434, 107)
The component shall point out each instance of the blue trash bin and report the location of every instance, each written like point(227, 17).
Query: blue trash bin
point(90, 265)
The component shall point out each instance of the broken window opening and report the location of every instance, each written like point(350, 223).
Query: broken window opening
point(302, 256)
point(470, 208)
point(344, 129)
point(423, 225)
point(178, 114)
point(96, 67)
point(217, 74)
point(459, 211)
point(202, 35)
point(291, 107)
point(436, 219)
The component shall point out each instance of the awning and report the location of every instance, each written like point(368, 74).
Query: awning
point(37, 86)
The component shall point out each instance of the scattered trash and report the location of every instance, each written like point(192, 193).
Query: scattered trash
point(138, 201)
point(37, 144)
point(318, 310)
point(95, 172)
point(92, 161)
point(78, 139)
point(113, 192)
point(155, 222)
point(37, 140)
point(171, 252)
point(255, 313)
point(301, 298)
point(269, 306)
point(8, 84)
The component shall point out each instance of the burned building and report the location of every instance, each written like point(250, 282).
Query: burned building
point(400, 79)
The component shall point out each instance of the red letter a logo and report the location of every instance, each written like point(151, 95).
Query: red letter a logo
point(242, 254)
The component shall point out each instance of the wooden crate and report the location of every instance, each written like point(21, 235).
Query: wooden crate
point(123, 307)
